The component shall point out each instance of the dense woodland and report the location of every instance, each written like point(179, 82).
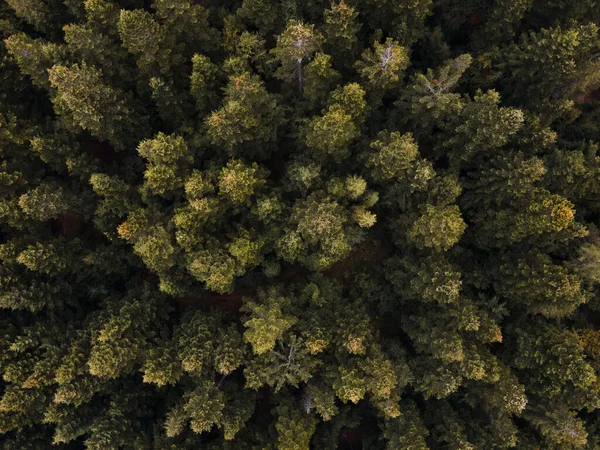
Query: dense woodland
point(262, 224)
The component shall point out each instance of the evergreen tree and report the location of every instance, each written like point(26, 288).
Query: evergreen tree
point(249, 115)
point(383, 65)
point(85, 102)
point(297, 43)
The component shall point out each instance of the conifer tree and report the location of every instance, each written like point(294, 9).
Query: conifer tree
point(552, 65)
point(297, 43)
point(248, 115)
point(341, 31)
point(383, 65)
point(86, 102)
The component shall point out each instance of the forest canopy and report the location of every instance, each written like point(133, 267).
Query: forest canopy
point(299, 224)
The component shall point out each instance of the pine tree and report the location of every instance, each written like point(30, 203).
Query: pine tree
point(248, 115)
point(333, 132)
point(35, 57)
point(297, 43)
point(168, 158)
point(552, 65)
point(437, 228)
point(382, 66)
point(341, 30)
point(86, 102)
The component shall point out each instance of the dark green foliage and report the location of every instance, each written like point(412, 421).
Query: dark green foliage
point(260, 225)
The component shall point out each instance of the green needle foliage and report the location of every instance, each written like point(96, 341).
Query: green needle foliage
point(298, 225)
